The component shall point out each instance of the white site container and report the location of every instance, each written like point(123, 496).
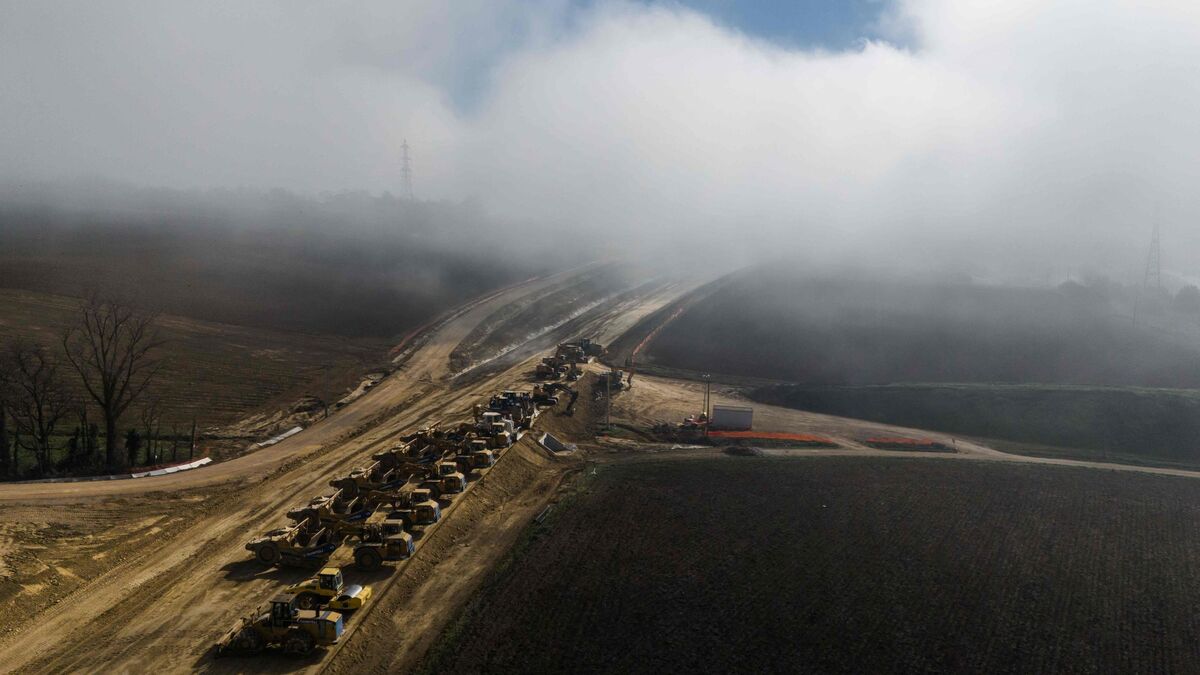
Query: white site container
point(732, 417)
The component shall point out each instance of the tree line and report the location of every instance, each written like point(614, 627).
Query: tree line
point(111, 350)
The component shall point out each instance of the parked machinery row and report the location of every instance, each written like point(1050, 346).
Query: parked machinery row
point(564, 364)
point(376, 508)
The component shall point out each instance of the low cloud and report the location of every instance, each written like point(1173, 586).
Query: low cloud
point(1018, 138)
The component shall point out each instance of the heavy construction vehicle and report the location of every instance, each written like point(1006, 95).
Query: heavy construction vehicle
point(374, 476)
point(339, 507)
point(517, 406)
point(328, 589)
point(497, 429)
point(306, 543)
point(282, 624)
point(611, 381)
point(415, 507)
point(475, 455)
point(544, 394)
point(448, 479)
point(582, 350)
point(551, 368)
point(383, 539)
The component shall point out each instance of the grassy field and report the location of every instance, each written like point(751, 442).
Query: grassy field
point(779, 324)
point(214, 372)
point(1134, 422)
point(846, 565)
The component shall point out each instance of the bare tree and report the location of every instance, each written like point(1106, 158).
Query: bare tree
point(6, 466)
point(151, 415)
point(38, 400)
point(111, 349)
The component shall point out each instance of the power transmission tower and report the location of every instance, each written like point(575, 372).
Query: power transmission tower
point(406, 189)
point(1153, 278)
point(1153, 275)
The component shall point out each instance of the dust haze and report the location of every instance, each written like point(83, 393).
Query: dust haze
point(1025, 139)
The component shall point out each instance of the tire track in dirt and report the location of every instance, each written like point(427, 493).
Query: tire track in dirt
point(162, 610)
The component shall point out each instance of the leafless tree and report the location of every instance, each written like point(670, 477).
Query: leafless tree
point(38, 399)
point(151, 414)
point(112, 350)
point(6, 467)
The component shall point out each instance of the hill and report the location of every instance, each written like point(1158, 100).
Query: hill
point(213, 373)
point(786, 325)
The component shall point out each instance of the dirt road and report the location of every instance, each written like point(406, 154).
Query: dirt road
point(659, 399)
point(177, 590)
point(160, 570)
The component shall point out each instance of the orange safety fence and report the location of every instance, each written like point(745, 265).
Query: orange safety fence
point(773, 436)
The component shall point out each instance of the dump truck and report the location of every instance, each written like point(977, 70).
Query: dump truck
point(328, 589)
point(303, 544)
point(383, 539)
point(282, 623)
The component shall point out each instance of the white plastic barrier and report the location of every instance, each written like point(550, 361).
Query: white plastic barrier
point(272, 441)
point(125, 476)
point(173, 469)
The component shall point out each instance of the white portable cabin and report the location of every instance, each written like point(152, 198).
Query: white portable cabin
point(732, 417)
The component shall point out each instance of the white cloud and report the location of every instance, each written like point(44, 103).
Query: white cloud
point(1019, 131)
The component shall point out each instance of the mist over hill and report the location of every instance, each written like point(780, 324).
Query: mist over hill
point(348, 264)
point(858, 328)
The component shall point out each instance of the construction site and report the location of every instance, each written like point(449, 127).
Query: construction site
point(354, 544)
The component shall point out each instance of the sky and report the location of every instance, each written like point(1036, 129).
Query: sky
point(1035, 135)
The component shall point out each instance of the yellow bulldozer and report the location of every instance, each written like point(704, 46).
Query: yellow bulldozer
point(328, 589)
point(283, 624)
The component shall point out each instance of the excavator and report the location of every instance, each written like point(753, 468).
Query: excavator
point(282, 623)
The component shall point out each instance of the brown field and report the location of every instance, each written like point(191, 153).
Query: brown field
point(846, 565)
point(217, 373)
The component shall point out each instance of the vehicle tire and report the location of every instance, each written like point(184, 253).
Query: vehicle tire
point(248, 642)
point(267, 554)
point(298, 644)
point(368, 559)
point(307, 601)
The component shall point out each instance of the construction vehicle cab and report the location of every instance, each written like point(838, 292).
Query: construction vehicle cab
point(417, 508)
point(383, 541)
point(282, 624)
point(304, 544)
point(328, 589)
point(451, 480)
point(478, 455)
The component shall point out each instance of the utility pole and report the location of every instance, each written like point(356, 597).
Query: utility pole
point(707, 417)
point(406, 187)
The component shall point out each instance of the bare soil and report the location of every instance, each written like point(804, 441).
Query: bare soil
point(743, 564)
point(159, 601)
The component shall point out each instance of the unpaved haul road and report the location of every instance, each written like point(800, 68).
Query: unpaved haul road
point(162, 609)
